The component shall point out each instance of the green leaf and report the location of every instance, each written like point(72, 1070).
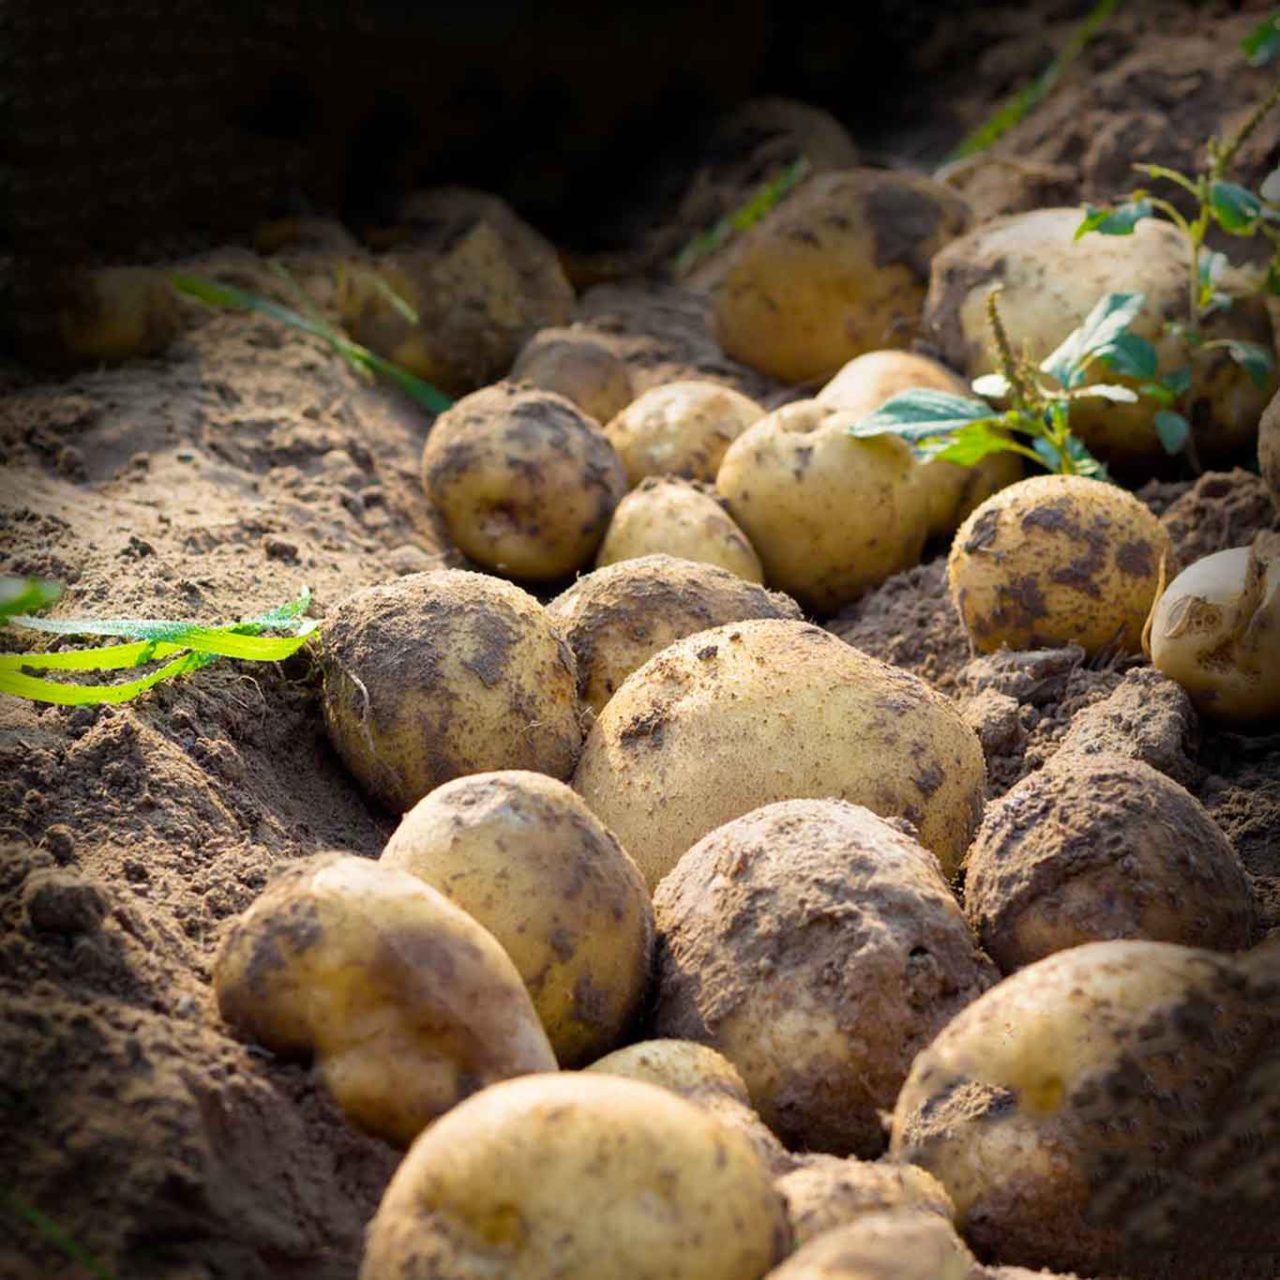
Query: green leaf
point(970, 444)
point(1115, 220)
point(1112, 315)
point(1236, 208)
point(992, 386)
point(23, 595)
point(1159, 393)
point(1173, 430)
point(1178, 380)
point(1082, 462)
point(1262, 44)
point(918, 413)
point(1129, 355)
point(1273, 279)
point(1253, 358)
point(1106, 391)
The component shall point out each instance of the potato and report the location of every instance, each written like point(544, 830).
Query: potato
point(829, 515)
point(1269, 448)
point(577, 1175)
point(406, 1002)
point(1057, 560)
point(668, 516)
point(1050, 282)
point(618, 617)
point(952, 491)
point(1101, 847)
point(523, 480)
point(837, 269)
point(522, 855)
point(1110, 1110)
point(1216, 631)
point(825, 1192)
point(900, 1244)
point(441, 674)
point(727, 720)
point(680, 428)
point(818, 948)
point(576, 364)
point(115, 313)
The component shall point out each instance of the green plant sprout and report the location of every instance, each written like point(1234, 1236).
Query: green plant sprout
point(182, 647)
point(1262, 44)
point(1237, 211)
point(1037, 420)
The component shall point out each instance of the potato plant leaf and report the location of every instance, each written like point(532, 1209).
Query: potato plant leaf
point(1083, 463)
point(1110, 317)
point(1106, 391)
point(1115, 220)
point(992, 386)
point(1262, 44)
point(968, 445)
point(1235, 208)
point(1173, 430)
point(919, 413)
point(1129, 355)
point(1254, 359)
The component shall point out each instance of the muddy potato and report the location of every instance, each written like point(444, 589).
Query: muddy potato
point(818, 948)
point(407, 1004)
point(521, 854)
point(828, 515)
point(838, 268)
point(728, 720)
point(952, 491)
point(1057, 560)
point(1269, 448)
point(441, 674)
point(680, 428)
point(669, 516)
point(899, 1244)
point(576, 364)
point(1216, 631)
point(1089, 1113)
point(1050, 282)
point(1100, 847)
point(113, 314)
point(618, 617)
point(524, 482)
point(577, 1175)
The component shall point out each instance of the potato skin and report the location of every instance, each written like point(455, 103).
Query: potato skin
point(113, 314)
point(680, 428)
point(407, 1003)
point(1057, 560)
point(818, 948)
point(1269, 448)
point(1089, 1113)
point(577, 1175)
point(669, 516)
point(829, 515)
point(523, 480)
point(839, 268)
point(898, 1244)
point(577, 365)
point(618, 617)
point(446, 673)
point(727, 720)
point(522, 855)
point(1097, 848)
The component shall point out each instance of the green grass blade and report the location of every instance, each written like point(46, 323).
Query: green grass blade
point(35, 689)
point(112, 657)
point(54, 1235)
point(23, 595)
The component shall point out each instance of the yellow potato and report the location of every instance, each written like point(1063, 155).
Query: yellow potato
point(116, 313)
point(576, 364)
point(899, 1244)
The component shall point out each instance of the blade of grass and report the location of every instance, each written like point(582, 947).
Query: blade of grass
point(35, 689)
point(23, 595)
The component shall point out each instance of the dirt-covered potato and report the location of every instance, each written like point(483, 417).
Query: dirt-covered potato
point(478, 283)
point(1216, 631)
point(1110, 1110)
point(899, 1244)
point(576, 364)
point(523, 855)
point(669, 516)
point(728, 720)
point(680, 429)
point(618, 617)
point(839, 268)
point(406, 1003)
point(577, 1175)
point(1101, 847)
point(818, 948)
point(952, 491)
point(441, 674)
point(1269, 448)
point(1050, 282)
point(113, 314)
point(524, 482)
point(1057, 560)
point(826, 1192)
point(828, 515)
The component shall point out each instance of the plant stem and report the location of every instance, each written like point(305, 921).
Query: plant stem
point(1018, 390)
point(1222, 155)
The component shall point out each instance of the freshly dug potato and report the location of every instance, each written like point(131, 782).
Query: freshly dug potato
point(441, 674)
point(818, 948)
point(576, 364)
point(1101, 847)
point(728, 720)
point(1216, 631)
point(952, 491)
point(577, 1175)
point(618, 617)
point(826, 1192)
point(673, 517)
point(1057, 560)
point(115, 313)
point(900, 1244)
point(681, 429)
point(1110, 1110)
point(406, 1002)
point(522, 855)
point(523, 480)
point(829, 515)
point(1050, 282)
point(838, 268)
point(1269, 448)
